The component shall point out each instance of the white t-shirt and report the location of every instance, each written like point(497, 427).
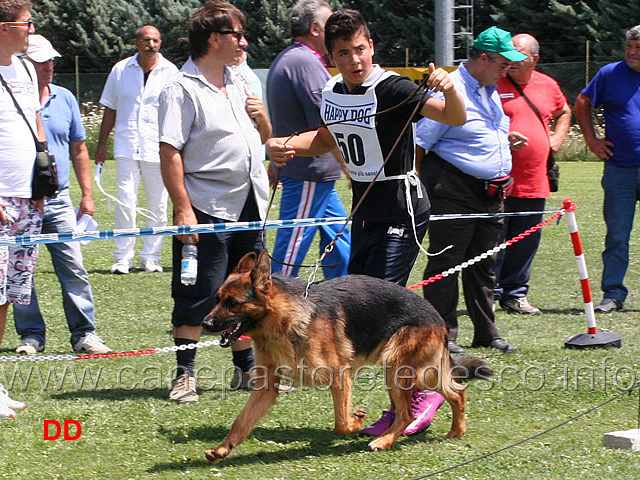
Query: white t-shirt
point(17, 147)
point(136, 106)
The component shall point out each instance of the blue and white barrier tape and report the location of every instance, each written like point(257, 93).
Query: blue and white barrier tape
point(213, 228)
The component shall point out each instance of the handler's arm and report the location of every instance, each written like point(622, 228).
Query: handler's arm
point(173, 175)
point(307, 144)
point(451, 111)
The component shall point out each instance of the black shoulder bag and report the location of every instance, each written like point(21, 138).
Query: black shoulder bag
point(45, 171)
point(553, 170)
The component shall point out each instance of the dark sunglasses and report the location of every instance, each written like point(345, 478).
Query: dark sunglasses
point(238, 34)
point(26, 23)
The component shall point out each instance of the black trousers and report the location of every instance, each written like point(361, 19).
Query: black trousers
point(452, 192)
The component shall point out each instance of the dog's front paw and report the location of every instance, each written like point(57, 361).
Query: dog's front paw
point(216, 454)
point(380, 443)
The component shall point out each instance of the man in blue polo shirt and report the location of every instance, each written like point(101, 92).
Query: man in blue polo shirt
point(616, 88)
point(65, 134)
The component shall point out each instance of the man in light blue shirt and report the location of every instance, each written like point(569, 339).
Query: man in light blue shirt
point(65, 132)
point(467, 171)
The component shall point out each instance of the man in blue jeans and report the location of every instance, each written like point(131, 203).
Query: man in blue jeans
point(65, 134)
point(616, 88)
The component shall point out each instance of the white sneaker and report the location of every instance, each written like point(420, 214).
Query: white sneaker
point(91, 343)
point(121, 267)
point(30, 346)
point(150, 266)
point(7, 402)
point(6, 412)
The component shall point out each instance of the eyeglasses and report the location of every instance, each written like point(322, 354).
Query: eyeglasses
point(502, 65)
point(240, 34)
point(27, 24)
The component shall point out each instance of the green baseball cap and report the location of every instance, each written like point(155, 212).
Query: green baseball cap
point(496, 40)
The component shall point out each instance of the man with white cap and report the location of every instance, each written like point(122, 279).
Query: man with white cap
point(66, 135)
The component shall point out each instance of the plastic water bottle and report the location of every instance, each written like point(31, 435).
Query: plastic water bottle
point(189, 265)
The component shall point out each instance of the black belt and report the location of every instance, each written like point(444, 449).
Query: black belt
point(497, 188)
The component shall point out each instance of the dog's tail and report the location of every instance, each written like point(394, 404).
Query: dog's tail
point(467, 368)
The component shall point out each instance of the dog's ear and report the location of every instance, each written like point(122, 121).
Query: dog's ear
point(246, 263)
point(261, 273)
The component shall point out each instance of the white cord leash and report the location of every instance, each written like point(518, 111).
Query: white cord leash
point(142, 211)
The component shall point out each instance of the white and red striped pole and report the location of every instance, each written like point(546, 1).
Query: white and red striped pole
point(569, 208)
point(592, 338)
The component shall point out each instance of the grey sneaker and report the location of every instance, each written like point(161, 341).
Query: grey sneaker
point(183, 389)
point(91, 343)
point(240, 380)
point(608, 305)
point(30, 346)
point(150, 266)
point(519, 305)
point(121, 267)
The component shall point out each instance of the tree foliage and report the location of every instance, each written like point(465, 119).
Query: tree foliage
point(101, 32)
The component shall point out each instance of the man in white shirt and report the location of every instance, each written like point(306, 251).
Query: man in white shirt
point(130, 97)
point(19, 214)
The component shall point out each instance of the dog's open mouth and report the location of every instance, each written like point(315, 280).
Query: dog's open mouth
point(229, 336)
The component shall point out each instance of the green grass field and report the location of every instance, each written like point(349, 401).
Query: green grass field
point(131, 431)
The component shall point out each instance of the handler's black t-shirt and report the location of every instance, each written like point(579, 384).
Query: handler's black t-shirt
point(386, 202)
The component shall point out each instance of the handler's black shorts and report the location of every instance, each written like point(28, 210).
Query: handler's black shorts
point(218, 255)
point(386, 250)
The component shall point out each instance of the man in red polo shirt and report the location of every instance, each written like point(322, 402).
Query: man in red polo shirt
point(531, 140)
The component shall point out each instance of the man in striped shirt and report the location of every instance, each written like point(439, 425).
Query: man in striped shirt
point(211, 135)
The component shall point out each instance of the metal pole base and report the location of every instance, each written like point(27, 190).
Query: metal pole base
point(594, 340)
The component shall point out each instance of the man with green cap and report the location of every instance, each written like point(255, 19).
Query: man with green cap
point(467, 171)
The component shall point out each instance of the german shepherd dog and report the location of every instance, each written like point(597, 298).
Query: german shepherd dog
point(324, 334)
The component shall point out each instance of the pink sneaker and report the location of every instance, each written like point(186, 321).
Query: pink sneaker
point(383, 423)
point(424, 405)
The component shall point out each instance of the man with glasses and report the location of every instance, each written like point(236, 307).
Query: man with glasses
point(130, 98)
point(211, 134)
point(294, 94)
point(19, 214)
point(531, 140)
point(467, 171)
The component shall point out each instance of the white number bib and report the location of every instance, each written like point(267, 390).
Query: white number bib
point(356, 136)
